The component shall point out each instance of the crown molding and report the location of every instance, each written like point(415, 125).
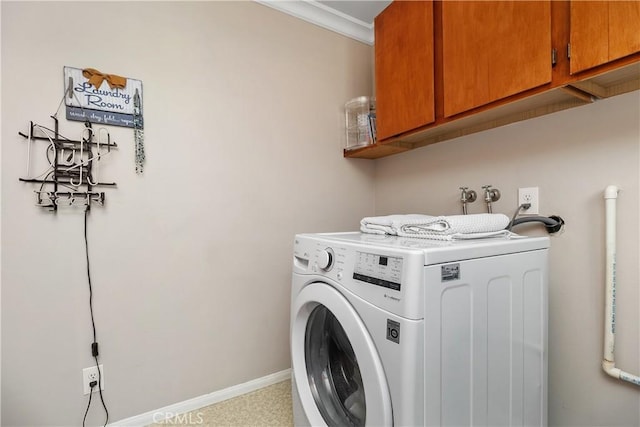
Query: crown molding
point(324, 16)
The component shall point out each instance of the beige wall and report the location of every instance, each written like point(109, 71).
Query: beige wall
point(191, 262)
point(571, 156)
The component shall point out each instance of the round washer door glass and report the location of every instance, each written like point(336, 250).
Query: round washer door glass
point(333, 371)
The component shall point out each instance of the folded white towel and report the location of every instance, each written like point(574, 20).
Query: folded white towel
point(450, 225)
point(454, 227)
point(384, 224)
point(463, 236)
point(469, 236)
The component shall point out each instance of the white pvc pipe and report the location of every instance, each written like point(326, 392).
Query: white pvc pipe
point(608, 362)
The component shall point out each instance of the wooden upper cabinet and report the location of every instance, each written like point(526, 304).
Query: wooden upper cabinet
point(448, 68)
point(493, 49)
point(404, 67)
point(602, 31)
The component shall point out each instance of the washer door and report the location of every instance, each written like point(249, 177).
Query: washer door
point(338, 373)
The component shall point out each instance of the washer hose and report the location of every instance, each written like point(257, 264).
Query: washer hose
point(553, 224)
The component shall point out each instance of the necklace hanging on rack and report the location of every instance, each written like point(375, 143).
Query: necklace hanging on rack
point(138, 133)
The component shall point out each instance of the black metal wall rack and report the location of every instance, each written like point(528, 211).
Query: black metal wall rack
point(74, 172)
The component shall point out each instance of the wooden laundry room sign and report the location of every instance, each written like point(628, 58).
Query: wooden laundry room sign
point(107, 99)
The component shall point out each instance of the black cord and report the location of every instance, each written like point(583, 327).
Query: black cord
point(86, 246)
point(513, 218)
point(104, 405)
point(94, 344)
point(84, 420)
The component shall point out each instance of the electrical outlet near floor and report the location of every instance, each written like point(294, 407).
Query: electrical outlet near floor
point(529, 195)
point(91, 374)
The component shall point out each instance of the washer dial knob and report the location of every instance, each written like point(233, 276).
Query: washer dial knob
point(325, 259)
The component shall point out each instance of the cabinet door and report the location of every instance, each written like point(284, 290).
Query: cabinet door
point(404, 67)
point(602, 31)
point(493, 49)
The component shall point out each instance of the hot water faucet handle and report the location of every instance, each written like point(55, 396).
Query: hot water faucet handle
point(467, 196)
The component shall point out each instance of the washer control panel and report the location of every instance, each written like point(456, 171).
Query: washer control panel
point(380, 270)
point(388, 277)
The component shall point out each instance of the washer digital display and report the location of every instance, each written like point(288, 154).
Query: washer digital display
point(379, 270)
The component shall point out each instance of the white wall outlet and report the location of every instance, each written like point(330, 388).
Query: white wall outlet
point(91, 374)
point(529, 195)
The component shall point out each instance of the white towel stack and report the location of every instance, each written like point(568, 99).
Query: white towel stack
point(454, 227)
point(385, 224)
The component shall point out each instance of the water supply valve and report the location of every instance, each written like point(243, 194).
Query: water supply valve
point(490, 195)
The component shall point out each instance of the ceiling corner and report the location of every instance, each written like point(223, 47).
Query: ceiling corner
point(326, 17)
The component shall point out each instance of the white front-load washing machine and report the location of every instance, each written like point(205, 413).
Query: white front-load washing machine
point(399, 331)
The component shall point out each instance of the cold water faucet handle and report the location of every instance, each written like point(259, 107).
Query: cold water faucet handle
point(467, 196)
point(490, 195)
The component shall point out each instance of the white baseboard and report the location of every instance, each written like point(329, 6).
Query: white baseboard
point(159, 415)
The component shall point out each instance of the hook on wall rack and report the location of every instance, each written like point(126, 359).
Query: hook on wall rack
point(78, 172)
point(51, 199)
